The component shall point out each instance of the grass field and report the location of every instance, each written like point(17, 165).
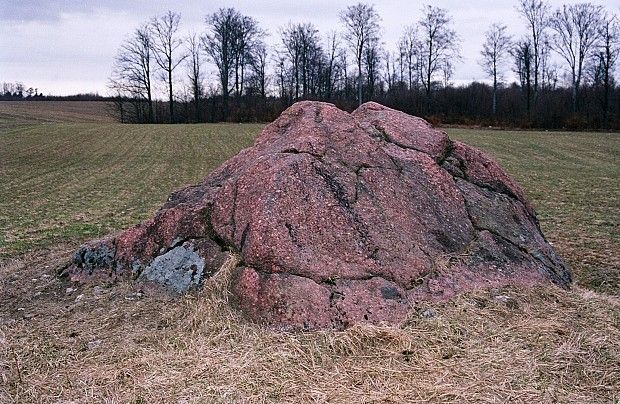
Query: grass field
point(64, 182)
point(54, 111)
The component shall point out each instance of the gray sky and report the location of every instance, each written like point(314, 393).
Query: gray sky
point(65, 47)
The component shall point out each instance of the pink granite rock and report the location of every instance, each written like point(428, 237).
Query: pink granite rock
point(339, 218)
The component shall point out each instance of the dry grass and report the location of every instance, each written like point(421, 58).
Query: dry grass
point(54, 111)
point(111, 345)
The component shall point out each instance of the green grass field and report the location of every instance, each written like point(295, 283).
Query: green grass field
point(62, 183)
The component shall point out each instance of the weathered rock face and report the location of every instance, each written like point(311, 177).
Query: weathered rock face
point(339, 218)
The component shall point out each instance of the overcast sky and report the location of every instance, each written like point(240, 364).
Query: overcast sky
point(67, 46)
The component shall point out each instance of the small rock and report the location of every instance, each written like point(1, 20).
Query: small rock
point(93, 344)
point(98, 290)
point(80, 297)
point(20, 309)
point(68, 291)
point(134, 296)
point(429, 313)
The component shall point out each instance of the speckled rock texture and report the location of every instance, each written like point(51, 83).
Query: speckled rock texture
point(338, 218)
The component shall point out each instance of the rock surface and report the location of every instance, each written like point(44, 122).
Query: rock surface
point(339, 218)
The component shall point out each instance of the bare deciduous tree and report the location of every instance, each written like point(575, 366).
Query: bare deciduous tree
point(258, 64)
point(607, 56)
point(372, 65)
point(131, 74)
point(440, 44)
point(535, 12)
point(165, 45)
point(219, 44)
point(194, 71)
point(333, 67)
point(576, 34)
point(361, 23)
point(304, 52)
point(409, 46)
point(522, 54)
point(248, 38)
point(497, 44)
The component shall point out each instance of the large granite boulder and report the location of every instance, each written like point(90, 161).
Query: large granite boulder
point(338, 218)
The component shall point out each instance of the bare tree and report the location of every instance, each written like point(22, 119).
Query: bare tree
point(247, 38)
point(131, 74)
point(548, 73)
point(219, 44)
point(165, 45)
point(304, 52)
point(280, 59)
point(440, 44)
point(522, 54)
point(497, 44)
point(194, 65)
point(361, 23)
point(372, 61)
point(576, 34)
point(607, 56)
point(333, 67)
point(391, 75)
point(258, 64)
point(409, 45)
point(535, 12)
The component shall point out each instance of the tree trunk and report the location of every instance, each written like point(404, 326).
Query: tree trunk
point(494, 108)
point(170, 94)
point(150, 101)
point(359, 82)
point(606, 97)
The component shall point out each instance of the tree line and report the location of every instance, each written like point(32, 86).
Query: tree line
point(255, 82)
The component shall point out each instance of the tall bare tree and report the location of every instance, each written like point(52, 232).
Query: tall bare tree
point(496, 46)
point(333, 66)
point(248, 37)
point(194, 66)
point(522, 54)
point(607, 56)
point(166, 45)
point(131, 74)
point(258, 63)
point(361, 23)
point(372, 65)
point(440, 44)
point(409, 46)
point(303, 50)
point(219, 44)
point(576, 36)
point(535, 13)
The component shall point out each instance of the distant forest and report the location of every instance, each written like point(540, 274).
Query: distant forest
point(256, 82)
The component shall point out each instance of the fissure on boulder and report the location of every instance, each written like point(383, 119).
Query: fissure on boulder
point(338, 218)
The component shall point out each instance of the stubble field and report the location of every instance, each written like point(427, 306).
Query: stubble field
point(65, 182)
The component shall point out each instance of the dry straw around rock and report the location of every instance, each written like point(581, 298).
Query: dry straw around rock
point(113, 345)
